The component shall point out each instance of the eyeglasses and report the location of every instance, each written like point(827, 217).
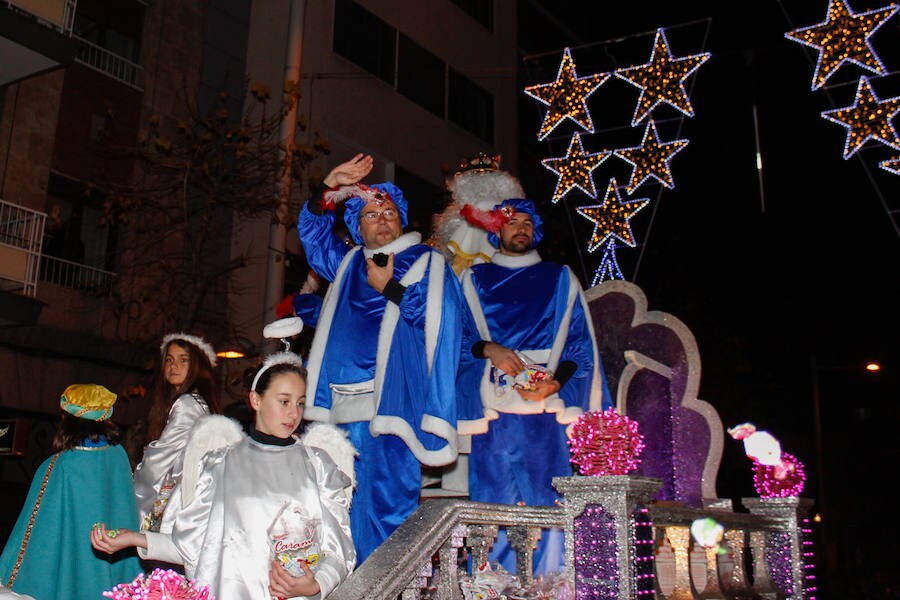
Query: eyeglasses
point(371, 216)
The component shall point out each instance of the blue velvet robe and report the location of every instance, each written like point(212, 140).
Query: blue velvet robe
point(386, 373)
point(86, 485)
point(536, 308)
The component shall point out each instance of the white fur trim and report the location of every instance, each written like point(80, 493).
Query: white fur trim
point(473, 427)
point(194, 340)
point(518, 261)
point(434, 306)
point(389, 320)
point(317, 350)
point(407, 240)
point(336, 444)
point(279, 358)
point(382, 424)
point(283, 328)
point(211, 432)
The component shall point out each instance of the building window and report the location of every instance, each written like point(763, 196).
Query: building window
point(480, 10)
point(365, 39)
point(115, 27)
point(73, 230)
point(421, 76)
point(470, 107)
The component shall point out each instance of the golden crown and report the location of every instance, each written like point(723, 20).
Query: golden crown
point(479, 164)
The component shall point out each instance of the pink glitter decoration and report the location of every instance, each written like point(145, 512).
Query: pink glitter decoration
point(161, 584)
point(605, 443)
point(775, 482)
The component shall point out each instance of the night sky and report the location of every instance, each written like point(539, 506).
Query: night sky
point(767, 279)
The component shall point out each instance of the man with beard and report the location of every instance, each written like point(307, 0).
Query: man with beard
point(539, 371)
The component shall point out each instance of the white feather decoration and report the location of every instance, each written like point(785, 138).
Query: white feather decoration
point(333, 441)
point(211, 432)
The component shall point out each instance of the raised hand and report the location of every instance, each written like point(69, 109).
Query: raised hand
point(349, 172)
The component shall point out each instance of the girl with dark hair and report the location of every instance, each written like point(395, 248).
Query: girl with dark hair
point(185, 390)
point(261, 515)
point(86, 480)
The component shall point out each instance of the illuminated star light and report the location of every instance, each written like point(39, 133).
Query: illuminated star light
point(843, 37)
point(662, 79)
point(651, 159)
point(575, 169)
point(609, 265)
point(868, 118)
point(567, 96)
point(891, 165)
point(612, 218)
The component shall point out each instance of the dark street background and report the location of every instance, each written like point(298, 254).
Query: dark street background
point(770, 279)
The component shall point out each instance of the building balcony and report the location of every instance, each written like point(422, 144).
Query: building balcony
point(111, 64)
point(35, 37)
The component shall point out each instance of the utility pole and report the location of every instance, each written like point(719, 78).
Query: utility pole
point(277, 231)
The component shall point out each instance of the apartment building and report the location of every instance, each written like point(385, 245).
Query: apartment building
point(419, 85)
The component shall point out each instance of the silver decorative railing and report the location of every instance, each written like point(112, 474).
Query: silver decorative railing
point(104, 61)
point(76, 275)
point(614, 539)
point(21, 232)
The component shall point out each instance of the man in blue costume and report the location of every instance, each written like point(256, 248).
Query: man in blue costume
point(385, 355)
point(528, 313)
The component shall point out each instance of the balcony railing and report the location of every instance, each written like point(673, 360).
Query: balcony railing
point(21, 232)
point(76, 275)
point(619, 546)
point(104, 61)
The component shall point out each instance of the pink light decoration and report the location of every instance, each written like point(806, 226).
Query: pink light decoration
point(781, 481)
point(605, 443)
point(161, 584)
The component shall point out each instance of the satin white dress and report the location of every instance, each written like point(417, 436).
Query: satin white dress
point(163, 460)
point(222, 535)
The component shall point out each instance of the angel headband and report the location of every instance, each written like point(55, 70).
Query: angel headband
point(194, 340)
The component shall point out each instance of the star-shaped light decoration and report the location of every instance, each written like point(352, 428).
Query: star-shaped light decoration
point(844, 37)
point(566, 97)
point(891, 165)
point(612, 218)
point(651, 159)
point(869, 118)
point(662, 79)
point(575, 169)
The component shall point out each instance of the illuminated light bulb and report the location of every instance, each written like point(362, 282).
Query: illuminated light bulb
point(868, 118)
point(609, 265)
point(651, 159)
point(843, 37)
point(612, 217)
point(891, 165)
point(574, 170)
point(661, 80)
point(873, 367)
point(566, 97)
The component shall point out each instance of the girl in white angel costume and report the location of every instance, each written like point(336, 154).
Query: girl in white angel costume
point(259, 516)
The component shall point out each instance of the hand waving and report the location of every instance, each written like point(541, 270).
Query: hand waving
point(350, 172)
